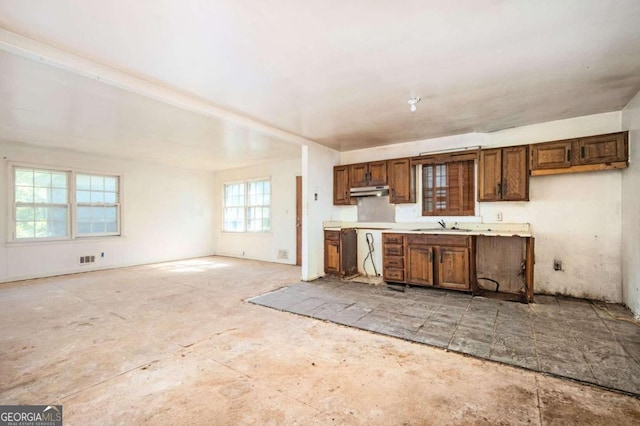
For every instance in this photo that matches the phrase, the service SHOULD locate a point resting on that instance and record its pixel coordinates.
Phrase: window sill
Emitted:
(77, 240)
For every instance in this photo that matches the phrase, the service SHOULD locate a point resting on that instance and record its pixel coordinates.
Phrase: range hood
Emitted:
(370, 191)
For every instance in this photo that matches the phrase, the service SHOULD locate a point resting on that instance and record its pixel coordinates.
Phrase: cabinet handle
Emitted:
(568, 155)
(345, 195)
(504, 188)
(582, 152)
(499, 189)
(440, 257)
(430, 257)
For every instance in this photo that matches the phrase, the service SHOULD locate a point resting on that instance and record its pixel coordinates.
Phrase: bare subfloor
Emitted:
(176, 343)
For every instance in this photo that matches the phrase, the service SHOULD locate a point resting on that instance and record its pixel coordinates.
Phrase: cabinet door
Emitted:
(358, 175)
(377, 173)
(601, 149)
(341, 188)
(551, 155)
(515, 173)
(453, 268)
(331, 256)
(402, 181)
(490, 175)
(420, 265)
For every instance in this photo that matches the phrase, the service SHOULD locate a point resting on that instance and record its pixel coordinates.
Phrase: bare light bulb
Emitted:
(412, 104)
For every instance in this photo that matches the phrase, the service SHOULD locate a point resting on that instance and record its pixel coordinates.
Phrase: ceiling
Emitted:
(334, 72)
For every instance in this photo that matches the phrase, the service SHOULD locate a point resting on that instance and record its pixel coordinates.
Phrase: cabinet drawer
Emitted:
(393, 250)
(392, 239)
(440, 240)
(394, 262)
(332, 235)
(391, 274)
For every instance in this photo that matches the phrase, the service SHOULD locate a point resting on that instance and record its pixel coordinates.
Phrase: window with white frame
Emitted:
(41, 199)
(247, 206)
(97, 205)
(46, 203)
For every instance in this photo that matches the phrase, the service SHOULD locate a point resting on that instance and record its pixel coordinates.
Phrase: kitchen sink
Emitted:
(436, 230)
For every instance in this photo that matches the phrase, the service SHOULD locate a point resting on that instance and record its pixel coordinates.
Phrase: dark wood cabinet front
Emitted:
(446, 261)
(340, 252)
(402, 181)
(368, 174)
(341, 186)
(600, 152)
(503, 174)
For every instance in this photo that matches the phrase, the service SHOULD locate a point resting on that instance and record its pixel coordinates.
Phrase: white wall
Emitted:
(631, 209)
(167, 214)
(317, 193)
(574, 217)
(262, 246)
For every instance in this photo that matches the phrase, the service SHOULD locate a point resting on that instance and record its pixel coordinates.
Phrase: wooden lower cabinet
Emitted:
(340, 252)
(445, 261)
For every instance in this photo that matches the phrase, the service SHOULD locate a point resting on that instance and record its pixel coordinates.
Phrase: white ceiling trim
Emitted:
(32, 49)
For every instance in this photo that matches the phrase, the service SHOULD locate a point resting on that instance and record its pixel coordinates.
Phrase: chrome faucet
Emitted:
(444, 225)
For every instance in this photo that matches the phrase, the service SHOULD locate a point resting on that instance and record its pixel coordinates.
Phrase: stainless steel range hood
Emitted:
(370, 191)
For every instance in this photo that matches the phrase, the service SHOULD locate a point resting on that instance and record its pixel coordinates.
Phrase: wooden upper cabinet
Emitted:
(601, 149)
(341, 187)
(601, 152)
(551, 155)
(402, 181)
(489, 174)
(368, 174)
(515, 173)
(503, 174)
(358, 175)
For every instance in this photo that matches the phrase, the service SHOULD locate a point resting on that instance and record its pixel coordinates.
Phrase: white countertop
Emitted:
(486, 229)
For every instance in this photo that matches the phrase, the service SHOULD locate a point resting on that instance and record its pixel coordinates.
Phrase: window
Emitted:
(448, 189)
(97, 205)
(41, 204)
(47, 202)
(247, 206)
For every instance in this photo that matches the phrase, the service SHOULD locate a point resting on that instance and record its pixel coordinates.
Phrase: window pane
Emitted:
(97, 213)
(111, 184)
(112, 227)
(24, 194)
(84, 227)
(83, 196)
(42, 179)
(59, 180)
(25, 213)
(97, 183)
(84, 213)
(110, 197)
(24, 177)
(41, 195)
(83, 183)
(42, 213)
(59, 196)
(97, 197)
(111, 213)
(25, 229)
(98, 227)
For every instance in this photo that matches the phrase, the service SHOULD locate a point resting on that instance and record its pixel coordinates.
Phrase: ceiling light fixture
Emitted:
(412, 103)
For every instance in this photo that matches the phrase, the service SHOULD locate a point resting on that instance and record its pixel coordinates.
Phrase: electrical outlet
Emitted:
(557, 265)
(499, 216)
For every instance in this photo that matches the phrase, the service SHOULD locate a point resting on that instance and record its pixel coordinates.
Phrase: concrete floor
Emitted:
(176, 343)
(572, 338)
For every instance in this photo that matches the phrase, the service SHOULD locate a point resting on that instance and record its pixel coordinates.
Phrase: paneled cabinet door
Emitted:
(601, 149)
(341, 187)
(515, 173)
(377, 173)
(358, 175)
(551, 155)
(490, 175)
(332, 256)
(420, 264)
(453, 268)
(402, 181)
